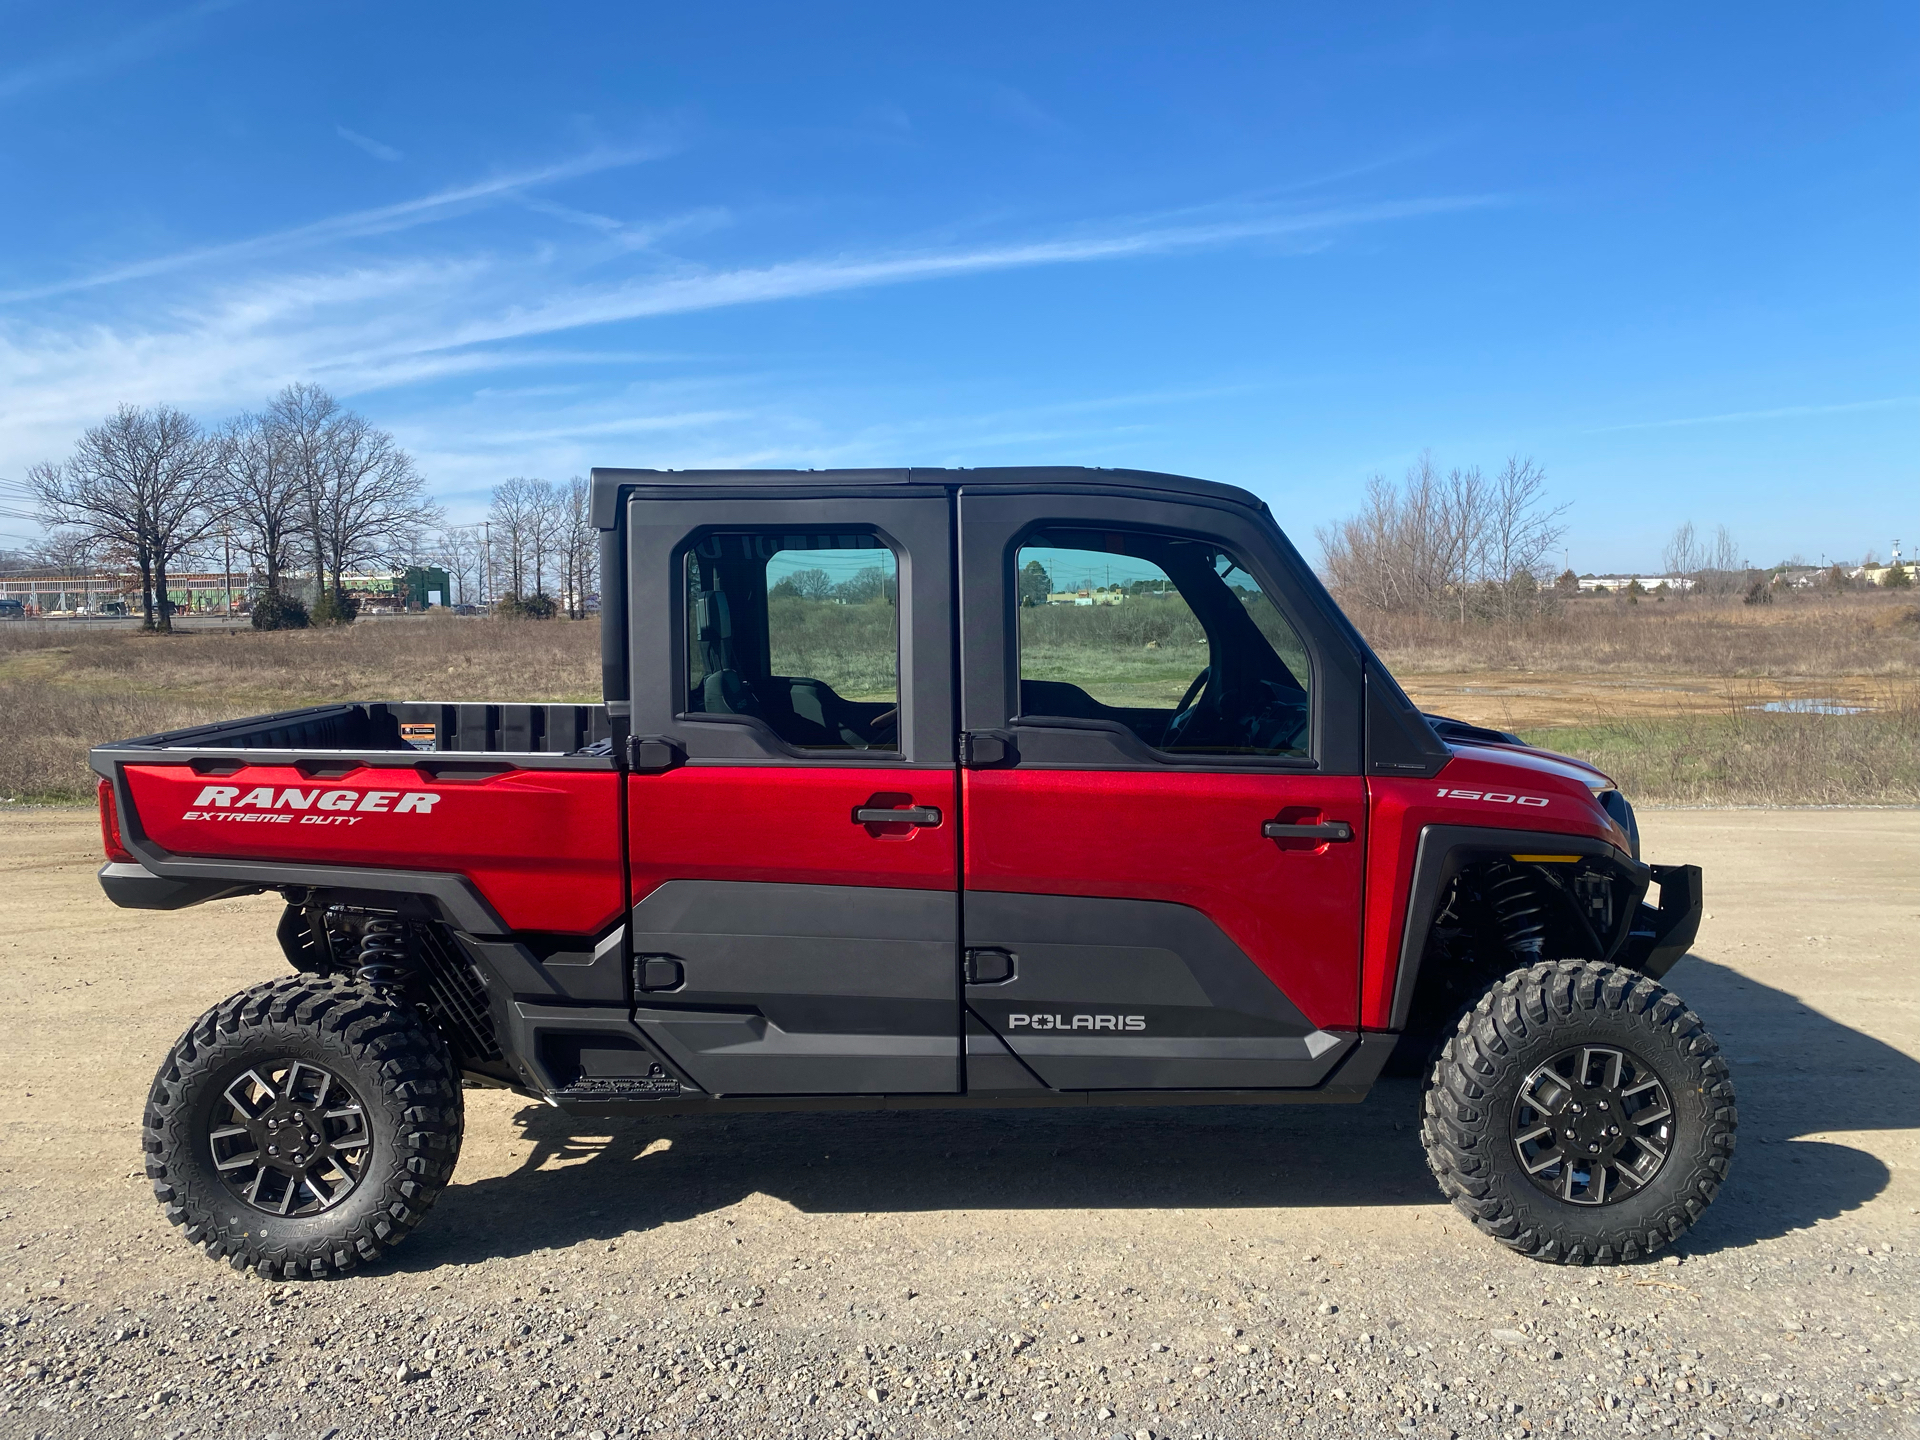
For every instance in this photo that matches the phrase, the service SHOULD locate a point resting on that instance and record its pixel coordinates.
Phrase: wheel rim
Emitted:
(289, 1138)
(1593, 1125)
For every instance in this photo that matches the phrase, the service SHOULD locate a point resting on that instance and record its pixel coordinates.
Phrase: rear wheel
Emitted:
(304, 1126)
(1580, 1113)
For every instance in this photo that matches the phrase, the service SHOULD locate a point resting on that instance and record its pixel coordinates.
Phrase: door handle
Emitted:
(1335, 830)
(905, 815)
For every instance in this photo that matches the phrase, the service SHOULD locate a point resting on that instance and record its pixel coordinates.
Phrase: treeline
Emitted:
(301, 494)
(535, 532)
(302, 482)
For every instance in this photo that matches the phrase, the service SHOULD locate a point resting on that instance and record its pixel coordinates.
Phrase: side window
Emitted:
(801, 631)
(1168, 636)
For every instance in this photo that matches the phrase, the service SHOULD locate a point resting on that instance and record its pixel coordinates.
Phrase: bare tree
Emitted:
(142, 483)
(546, 537)
(361, 498)
(458, 548)
(1708, 568)
(1405, 549)
(511, 516)
(263, 493)
(1724, 571)
(581, 543)
(1681, 557)
(372, 504)
(1520, 531)
(1451, 543)
(304, 414)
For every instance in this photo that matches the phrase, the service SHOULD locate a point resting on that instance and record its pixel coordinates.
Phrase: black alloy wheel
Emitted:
(303, 1127)
(1592, 1125)
(290, 1138)
(1580, 1113)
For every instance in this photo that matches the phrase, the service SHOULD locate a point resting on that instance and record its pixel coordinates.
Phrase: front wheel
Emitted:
(1580, 1113)
(303, 1126)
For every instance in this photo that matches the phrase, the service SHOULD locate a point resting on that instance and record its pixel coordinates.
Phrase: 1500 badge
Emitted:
(1492, 797)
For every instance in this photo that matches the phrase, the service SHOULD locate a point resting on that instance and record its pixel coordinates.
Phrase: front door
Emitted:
(1165, 818)
(794, 881)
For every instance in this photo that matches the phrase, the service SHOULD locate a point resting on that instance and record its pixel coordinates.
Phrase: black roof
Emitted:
(608, 483)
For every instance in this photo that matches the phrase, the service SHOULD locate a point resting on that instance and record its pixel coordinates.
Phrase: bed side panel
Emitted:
(542, 845)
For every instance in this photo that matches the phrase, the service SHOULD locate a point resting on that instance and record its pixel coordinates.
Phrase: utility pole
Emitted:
(486, 566)
(226, 568)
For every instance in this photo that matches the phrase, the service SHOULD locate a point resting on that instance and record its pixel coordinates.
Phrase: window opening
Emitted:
(1168, 636)
(801, 631)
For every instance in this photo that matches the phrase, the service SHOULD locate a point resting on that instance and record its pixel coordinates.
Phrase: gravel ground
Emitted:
(1283, 1271)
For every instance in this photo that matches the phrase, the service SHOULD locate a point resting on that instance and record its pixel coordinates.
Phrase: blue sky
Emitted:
(1669, 253)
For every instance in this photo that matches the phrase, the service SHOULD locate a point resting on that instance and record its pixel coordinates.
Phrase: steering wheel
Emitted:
(1183, 712)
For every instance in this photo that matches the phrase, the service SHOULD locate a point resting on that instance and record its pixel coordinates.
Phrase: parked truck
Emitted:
(918, 789)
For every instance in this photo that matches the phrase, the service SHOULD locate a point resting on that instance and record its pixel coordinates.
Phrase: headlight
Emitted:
(1615, 804)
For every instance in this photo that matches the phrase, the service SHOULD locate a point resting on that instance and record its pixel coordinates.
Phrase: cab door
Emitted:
(793, 857)
(1165, 815)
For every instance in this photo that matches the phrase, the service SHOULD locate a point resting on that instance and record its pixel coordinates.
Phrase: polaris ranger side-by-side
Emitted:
(921, 788)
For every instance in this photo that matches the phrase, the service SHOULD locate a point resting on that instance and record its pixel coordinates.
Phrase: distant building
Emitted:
(1113, 596)
(1612, 583)
(1874, 573)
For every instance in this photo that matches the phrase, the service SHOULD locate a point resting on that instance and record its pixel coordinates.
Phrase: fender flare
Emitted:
(1443, 850)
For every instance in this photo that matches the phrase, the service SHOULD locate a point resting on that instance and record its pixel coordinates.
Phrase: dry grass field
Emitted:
(1672, 698)
(1668, 696)
(64, 688)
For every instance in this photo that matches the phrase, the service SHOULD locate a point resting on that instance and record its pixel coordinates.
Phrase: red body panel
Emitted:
(788, 824)
(1193, 839)
(543, 846)
(1489, 787)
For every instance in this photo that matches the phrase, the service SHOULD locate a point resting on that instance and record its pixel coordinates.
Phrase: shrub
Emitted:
(527, 607)
(335, 607)
(273, 611)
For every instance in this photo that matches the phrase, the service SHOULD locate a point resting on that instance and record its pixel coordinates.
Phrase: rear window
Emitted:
(799, 631)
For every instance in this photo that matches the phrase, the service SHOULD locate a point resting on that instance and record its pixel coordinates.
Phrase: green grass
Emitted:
(1749, 757)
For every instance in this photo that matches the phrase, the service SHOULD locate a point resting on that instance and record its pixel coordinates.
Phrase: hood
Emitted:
(1504, 747)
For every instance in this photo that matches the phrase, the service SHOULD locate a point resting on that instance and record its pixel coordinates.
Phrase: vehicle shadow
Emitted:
(1797, 1072)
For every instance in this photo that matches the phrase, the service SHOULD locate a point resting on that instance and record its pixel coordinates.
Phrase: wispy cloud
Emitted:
(625, 234)
(215, 344)
(702, 289)
(128, 48)
(371, 146)
(1780, 412)
(381, 219)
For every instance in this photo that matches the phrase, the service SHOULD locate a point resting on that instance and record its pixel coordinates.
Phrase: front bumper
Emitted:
(1661, 935)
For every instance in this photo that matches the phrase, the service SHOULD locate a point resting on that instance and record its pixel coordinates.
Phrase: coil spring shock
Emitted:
(1520, 911)
(384, 957)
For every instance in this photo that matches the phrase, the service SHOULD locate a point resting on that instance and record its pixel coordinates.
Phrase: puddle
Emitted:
(1812, 707)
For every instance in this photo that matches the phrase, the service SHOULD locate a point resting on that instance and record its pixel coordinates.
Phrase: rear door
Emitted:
(1165, 816)
(795, 879)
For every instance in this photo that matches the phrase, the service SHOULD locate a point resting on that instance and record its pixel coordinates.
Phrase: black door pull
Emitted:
(905, 815)
(1331, 830)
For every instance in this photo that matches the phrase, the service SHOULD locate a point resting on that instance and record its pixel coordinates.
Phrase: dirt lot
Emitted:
(1274, 1272)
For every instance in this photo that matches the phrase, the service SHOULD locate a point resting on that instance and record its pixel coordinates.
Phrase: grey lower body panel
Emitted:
(1349, 1082)
(1112, 994)
(805, 989)
(1087, 1062)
